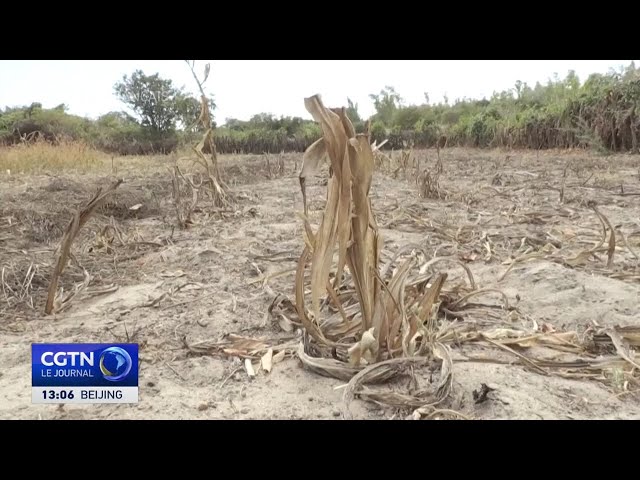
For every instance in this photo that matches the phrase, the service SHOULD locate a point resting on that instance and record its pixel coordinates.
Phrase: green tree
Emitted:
(386, 103)
(153, 99)
(188, 110)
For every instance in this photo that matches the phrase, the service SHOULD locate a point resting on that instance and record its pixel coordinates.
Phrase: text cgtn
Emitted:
(61, 359)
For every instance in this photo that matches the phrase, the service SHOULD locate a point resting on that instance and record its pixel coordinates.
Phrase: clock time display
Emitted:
(60, 395)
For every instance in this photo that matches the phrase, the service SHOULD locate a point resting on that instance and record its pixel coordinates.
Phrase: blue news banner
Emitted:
(84, 373)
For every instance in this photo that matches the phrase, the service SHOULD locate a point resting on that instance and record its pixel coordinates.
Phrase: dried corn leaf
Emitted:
(248, 366)
(347, 219)
(266, 361)
(622, 347)
(384, 369)
(278, 357)
(612, 238)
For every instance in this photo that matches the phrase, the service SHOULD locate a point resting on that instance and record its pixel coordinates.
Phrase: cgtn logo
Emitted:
(115, 363)
(85, 364)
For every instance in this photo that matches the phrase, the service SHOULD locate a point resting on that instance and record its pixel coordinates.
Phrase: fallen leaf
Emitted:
(278, 357)
(503, 333)
(249, 368)
(266, 360)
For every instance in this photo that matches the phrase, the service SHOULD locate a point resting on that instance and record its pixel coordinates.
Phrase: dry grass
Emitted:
(43, 156)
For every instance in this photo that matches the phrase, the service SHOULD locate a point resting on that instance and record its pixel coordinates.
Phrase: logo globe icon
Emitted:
(115, 363)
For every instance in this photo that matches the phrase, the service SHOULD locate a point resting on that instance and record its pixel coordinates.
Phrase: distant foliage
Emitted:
(601, 113)
(158, 104)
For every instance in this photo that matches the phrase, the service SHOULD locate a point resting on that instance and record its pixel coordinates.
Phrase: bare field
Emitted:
(527, 225)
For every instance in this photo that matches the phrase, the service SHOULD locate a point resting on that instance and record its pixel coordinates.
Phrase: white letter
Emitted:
(86, 358)
(73, 356)
(44, 362)
(58, 362)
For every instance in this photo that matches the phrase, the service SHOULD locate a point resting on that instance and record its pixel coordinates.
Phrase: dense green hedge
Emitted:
(602, 113)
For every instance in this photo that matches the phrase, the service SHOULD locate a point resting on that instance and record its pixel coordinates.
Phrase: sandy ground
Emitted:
(204, 283)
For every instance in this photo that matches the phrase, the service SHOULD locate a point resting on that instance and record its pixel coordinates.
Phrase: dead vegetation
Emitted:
(274, 169)
(392, 319)
(185, 197)
(369, 322)
(54, 300)
(38, 155)
(217, 188)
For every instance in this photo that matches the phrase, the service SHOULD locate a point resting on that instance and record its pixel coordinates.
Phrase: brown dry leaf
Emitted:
(630, 334)
(386, 307)
(622, 347)
(347, 220)
(612, 237)
(311, 161)
(503, 333)
(337, 204)
(580, 259)
(313, 157)
(267, 360)
(568, 340)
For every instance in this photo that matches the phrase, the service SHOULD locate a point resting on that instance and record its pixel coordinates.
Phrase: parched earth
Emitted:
(168, 288)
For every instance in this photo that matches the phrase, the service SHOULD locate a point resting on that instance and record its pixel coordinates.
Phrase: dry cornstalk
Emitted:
(385, 318)
(218, 187)
(612, 236)
(76, 223)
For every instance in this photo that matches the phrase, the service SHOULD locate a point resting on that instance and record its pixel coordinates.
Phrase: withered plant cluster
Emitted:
(275, 168)
(54, 298)
(186, 191)
(365, 321)
(380, 314)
